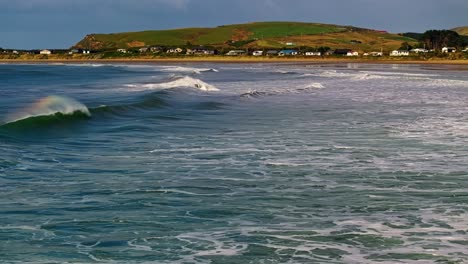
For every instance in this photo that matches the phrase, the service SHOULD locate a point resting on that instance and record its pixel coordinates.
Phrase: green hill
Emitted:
(461, 30)
(258, 34)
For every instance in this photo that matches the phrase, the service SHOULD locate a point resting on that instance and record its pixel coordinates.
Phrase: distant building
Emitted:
(200, 51)
(376, 53)
(122, 50)
(45, 52)
(143, 50)
(399, 53)
(235, 52)
(15, 52)
(419, 51)
(257, 53)
(352, 54)
(174, 51)
(156, 49)
(288, 53)
(448, 49)
(313, 53)
(290, 44)
(465, 50)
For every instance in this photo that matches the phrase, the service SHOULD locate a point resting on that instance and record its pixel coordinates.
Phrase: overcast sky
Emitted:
(28, 24)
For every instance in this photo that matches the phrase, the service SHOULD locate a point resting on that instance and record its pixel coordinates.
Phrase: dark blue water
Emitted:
(242, 163)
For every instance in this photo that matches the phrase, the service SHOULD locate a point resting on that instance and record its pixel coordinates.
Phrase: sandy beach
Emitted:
(56, 59)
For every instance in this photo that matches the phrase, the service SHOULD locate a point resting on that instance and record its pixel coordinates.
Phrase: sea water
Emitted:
(233, 163)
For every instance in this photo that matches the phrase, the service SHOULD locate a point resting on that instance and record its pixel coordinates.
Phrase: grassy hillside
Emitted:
(259, 34)
(461, 30)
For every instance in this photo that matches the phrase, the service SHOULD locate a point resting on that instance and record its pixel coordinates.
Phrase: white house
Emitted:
(313, 53)
(45, 52)
(15, 52)
(122, 50)
(448, 49)
(176, 50)
(419, 51)
(465, 50)
(235, 52)
(143, 50)
(376, 53)
(398, 53)
(257, 53)
(352, 54)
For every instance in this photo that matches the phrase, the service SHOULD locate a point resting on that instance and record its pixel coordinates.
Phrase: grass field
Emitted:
(258, 34)
(461, 30)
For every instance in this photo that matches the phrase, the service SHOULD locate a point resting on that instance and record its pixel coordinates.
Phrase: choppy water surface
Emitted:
(244, 163)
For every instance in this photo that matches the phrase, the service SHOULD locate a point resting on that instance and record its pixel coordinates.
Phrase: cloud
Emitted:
(28, 5)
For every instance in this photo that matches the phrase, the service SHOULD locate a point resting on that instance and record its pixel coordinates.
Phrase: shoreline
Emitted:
(234, 60)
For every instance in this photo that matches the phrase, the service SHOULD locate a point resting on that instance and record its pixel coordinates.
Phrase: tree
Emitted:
(405, 46)
(437, 39)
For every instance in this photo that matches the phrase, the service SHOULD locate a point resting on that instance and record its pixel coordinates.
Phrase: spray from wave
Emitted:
(50, 106)
(176, 82)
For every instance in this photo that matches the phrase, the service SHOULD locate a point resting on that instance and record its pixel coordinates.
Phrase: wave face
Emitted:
(177, 82)
(50, 106)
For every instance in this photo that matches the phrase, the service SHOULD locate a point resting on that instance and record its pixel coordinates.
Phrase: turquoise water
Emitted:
(240, 163)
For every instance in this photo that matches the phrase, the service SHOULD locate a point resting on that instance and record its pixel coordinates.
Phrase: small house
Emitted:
(399, 53)
(313, 53)
(288, 53)
(155, 49)
(143, 50)
(257, 53)
(122, 50)
(45, 52)
(235, 53)
(417, 51)
(290, 44)
(352, 54)
(376, 54)
(174, 51)
(448, 49)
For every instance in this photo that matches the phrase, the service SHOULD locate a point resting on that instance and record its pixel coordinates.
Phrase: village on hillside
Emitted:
(285, 40)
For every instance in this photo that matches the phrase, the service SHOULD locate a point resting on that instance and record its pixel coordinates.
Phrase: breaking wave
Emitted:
(55, 107)
(188, 69)
(176, 82)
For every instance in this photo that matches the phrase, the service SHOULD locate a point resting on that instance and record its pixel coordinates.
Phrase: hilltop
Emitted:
(461, 30)
(252, 35)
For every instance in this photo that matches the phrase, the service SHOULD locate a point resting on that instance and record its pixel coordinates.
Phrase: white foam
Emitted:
(188, 69)
(185, 81)
(315, 85)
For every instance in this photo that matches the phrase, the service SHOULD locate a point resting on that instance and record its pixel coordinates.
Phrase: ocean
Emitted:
(233, 163)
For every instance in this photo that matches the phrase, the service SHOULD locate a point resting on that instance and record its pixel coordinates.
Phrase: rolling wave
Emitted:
(49, 108)
(175, 82)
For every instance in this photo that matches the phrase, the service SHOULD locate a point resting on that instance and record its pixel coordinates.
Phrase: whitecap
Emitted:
(185, 81)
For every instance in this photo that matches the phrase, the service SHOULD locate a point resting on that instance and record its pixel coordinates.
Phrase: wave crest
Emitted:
(50, 106)
(176, 82)
(188, 69)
